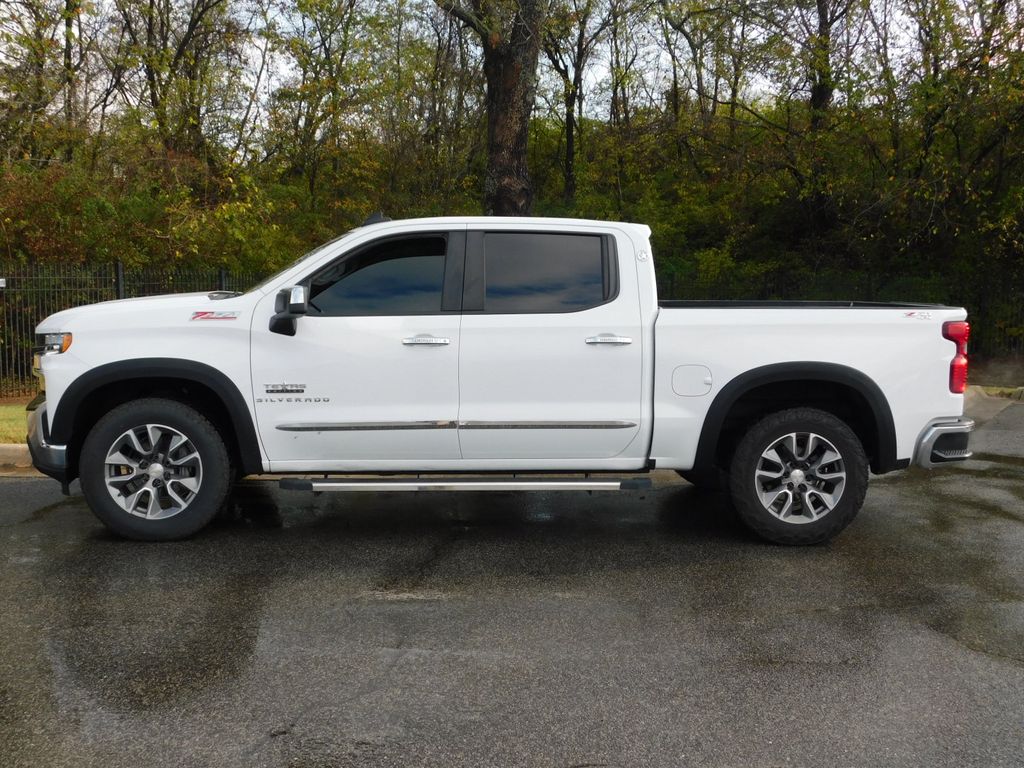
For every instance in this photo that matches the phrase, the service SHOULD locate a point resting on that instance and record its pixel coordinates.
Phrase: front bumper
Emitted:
(944, 442)
(47, 458)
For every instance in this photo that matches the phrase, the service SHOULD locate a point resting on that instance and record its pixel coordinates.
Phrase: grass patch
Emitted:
(12, 423)
(1011, 392)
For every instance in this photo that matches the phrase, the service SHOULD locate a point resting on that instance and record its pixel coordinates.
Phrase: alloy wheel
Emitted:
(153, 471)
(800, 477)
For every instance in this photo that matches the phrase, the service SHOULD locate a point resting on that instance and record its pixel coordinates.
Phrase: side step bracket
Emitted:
(474, 484)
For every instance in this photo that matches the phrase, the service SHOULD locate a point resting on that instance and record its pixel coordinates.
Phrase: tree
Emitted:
(572, 34)
(322, 40)
(29, 79)
(510, 34)
(175, 44)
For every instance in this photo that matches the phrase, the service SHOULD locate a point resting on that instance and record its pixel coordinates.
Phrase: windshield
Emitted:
(260, 285)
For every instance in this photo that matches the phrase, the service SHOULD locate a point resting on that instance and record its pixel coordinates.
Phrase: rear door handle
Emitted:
(609, 338)
(425, 339)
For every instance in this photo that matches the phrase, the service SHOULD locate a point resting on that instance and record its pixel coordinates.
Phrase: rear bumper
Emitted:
(47, 458)
(944, 442)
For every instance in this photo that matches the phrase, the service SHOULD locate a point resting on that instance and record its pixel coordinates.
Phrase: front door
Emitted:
(551, 358)
(371, 373)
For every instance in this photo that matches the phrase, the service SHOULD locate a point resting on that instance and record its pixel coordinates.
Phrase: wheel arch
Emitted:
(196, 384)
(846, 392)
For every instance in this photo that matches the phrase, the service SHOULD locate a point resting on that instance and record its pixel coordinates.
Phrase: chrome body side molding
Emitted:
(546, 424)
(365, 426)
(357, 426)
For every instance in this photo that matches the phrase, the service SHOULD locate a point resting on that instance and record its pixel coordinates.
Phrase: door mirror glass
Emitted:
(289, 305)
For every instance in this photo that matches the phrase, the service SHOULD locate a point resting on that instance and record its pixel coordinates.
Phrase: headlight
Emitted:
(55, 343)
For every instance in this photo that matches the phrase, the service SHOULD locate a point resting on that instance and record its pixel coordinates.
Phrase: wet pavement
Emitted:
(521, 630)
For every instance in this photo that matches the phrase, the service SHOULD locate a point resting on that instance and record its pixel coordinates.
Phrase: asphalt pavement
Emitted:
(522, 630)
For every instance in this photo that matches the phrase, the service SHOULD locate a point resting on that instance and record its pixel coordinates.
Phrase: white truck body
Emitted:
(623, 386)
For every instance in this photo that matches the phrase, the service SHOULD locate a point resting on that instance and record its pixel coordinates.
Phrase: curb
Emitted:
(14, 455)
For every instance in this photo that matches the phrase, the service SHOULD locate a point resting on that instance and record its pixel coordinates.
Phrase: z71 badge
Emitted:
(214, 316)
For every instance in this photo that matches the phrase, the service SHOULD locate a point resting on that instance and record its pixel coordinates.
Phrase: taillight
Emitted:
(958, 331)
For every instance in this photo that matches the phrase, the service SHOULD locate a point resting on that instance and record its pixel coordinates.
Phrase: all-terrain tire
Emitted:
(181, 432)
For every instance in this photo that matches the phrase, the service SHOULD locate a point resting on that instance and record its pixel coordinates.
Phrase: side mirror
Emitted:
(289, 305)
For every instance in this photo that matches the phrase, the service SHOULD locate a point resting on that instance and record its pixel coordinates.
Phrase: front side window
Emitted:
(402, 276)
(530, 272)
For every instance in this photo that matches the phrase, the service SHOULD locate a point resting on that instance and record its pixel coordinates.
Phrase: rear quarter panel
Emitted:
(900, 349)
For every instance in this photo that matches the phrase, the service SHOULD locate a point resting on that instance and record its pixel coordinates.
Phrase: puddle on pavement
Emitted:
(961, 574)
(137, 631)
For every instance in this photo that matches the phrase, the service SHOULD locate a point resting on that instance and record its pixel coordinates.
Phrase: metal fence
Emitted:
(31, 292)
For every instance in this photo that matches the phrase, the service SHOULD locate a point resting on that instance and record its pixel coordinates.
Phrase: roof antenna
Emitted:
(376, 218)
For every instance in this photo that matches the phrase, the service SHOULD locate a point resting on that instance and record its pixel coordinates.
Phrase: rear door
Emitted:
(551, 352)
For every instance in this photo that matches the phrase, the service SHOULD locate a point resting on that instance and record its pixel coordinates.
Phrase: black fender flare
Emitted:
(62, 426)
(884, 459)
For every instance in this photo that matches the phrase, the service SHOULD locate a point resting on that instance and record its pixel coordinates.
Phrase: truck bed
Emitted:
(698, 352)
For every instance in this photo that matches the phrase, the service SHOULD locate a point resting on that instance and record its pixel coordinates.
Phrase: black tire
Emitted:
(747, 459)
(712, 480)
(201, 507)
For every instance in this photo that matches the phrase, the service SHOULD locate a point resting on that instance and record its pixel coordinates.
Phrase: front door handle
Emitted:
(425, 339)
(609, 338)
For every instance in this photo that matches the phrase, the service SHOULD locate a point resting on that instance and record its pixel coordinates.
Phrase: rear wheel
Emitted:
(154, 470)
(798, 476)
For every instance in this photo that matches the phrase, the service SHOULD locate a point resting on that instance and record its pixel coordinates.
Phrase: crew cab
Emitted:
(479, 353)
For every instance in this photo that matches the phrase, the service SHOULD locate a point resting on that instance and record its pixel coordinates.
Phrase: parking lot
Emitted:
(518, 629)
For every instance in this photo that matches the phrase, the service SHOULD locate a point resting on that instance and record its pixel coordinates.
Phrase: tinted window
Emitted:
(397, 277)
(532, 272)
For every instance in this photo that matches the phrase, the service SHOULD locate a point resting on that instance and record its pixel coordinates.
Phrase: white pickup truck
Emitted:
(491, 354)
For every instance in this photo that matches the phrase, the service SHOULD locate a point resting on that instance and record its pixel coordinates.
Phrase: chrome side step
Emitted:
(475, 484)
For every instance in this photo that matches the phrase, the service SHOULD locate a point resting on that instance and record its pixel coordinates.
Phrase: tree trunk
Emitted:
(569, 169)
(70, 96)
(822, 86)
(510, 71)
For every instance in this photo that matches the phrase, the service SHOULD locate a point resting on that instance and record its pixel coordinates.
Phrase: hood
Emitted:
(120, 310)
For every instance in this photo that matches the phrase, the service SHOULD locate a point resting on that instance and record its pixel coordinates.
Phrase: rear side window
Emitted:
(403, 276)
(531, 272)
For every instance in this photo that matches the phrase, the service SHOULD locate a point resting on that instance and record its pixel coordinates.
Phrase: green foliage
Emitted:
(280, 126)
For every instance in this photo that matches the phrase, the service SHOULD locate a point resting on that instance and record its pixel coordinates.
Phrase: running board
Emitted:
(497, 484)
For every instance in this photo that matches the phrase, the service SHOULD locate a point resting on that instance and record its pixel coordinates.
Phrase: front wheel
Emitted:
(154, 470)
(798, 476)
